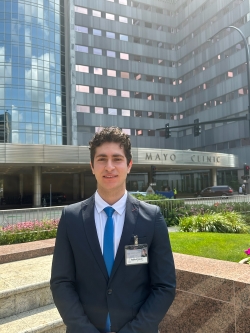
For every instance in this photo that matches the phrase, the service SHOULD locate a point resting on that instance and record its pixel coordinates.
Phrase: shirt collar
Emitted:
(119, 206)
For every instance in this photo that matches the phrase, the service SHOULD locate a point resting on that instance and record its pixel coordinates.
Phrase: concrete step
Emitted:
(24, 285)
(42, 320)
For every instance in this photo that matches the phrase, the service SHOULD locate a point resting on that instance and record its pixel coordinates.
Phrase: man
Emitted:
(123, 292)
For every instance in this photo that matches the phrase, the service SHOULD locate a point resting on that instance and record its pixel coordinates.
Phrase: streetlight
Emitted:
(247, 58)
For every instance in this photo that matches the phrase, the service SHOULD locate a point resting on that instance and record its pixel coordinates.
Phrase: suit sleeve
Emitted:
(163, 282)
(62, 284)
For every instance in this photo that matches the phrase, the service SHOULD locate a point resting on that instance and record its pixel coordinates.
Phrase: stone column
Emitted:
(37, 172)
(76, 187)
(214, 176)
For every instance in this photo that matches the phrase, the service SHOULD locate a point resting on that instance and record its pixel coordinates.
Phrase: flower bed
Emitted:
(28, 231)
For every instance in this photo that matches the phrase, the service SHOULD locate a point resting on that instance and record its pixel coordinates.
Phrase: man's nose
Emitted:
(109, 165)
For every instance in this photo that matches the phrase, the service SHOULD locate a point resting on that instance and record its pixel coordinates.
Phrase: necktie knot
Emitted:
(109, 211)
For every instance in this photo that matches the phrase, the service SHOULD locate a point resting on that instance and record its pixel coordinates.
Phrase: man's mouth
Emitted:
(110, 176)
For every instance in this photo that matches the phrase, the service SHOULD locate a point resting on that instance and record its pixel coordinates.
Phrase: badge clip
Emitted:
(135, 240)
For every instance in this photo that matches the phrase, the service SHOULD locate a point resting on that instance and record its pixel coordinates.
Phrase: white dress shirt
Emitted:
(118, 218)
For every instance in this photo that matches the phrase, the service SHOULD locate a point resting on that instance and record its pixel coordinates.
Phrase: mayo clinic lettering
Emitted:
(194, 158)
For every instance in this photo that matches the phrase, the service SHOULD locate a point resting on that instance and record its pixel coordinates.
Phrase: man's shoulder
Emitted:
(79, 205)
(142, 204)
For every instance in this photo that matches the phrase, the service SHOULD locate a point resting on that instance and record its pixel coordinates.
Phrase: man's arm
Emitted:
(62, 284)
(163, 282)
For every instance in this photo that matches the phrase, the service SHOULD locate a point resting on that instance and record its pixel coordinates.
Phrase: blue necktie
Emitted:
(108, 248)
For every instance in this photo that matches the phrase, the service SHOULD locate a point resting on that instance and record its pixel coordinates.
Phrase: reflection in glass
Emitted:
(30, 69)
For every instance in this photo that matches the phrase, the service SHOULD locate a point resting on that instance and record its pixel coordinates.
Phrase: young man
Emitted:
(100, 281)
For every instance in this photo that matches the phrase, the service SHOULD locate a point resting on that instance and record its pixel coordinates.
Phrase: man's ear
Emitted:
(130, 166)
(92, 168)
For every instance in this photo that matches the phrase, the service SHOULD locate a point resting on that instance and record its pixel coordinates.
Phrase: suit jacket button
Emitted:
(109, 291)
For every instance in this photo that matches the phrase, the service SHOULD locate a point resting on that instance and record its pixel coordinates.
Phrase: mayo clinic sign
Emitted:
(183, 157)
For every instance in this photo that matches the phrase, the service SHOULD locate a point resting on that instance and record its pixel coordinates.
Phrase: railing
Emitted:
(14, 216)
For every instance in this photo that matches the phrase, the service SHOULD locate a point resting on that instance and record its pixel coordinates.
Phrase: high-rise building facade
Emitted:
(69, 68)
(142, 64)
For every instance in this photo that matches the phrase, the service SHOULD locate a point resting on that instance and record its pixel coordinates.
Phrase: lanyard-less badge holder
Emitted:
(136, 254)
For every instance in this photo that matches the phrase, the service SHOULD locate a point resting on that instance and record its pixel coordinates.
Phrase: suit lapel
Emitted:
(132, 209)
(90, 229)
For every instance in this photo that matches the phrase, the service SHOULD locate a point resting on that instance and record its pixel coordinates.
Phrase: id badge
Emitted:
(136, 254)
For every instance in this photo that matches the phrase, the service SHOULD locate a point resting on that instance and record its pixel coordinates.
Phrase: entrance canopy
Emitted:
(15, 158)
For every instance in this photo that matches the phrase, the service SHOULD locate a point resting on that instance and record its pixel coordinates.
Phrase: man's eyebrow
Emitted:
(105, 155)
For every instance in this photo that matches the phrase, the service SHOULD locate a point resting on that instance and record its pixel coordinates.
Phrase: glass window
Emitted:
(110, 54)
(110, 16)
(124, 38)
(83, 69)
(124, 56)
(138, 113)
(81, 48)
(111, 73)
(112, 111)
(96, 13)
(97, 51)
(138, 132)
(97, 71)
(98, 91)
(124, 75)
(98, 129)
(110, 34)
(125, 93)
(137, 76)
(123, 2)
(84, 30)
(151, 133)
(81, 88)
(81, 10)
(126, 131)
(83, 108)
(112, 92)
(125, 113)
(123, 19)
(97, 32)
(98, 110)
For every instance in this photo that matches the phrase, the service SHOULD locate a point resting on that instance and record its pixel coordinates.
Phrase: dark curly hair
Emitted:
(110, 134)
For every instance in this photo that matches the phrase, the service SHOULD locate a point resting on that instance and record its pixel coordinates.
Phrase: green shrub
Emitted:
(225, 222)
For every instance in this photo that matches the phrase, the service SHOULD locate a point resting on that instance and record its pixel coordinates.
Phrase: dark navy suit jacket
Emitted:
(137, 297)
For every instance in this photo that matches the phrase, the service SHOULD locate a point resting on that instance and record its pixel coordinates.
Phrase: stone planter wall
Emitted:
(212, 296)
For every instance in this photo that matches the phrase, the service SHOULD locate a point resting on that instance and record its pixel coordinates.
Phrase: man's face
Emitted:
(110, 169)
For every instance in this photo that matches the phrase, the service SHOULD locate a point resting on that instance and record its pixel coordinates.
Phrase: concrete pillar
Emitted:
(214, 177)
(76, 187)
(37, 174)
(82, 185)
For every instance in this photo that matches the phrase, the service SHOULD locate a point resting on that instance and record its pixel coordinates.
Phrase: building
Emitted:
(70, 67)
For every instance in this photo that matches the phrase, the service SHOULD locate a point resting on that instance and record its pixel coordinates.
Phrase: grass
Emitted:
(228, 247)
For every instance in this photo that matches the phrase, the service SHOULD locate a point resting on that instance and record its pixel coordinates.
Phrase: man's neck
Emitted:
(110, 197)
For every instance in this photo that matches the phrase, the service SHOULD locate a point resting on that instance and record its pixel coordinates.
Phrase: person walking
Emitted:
(175, 193)
(100, 281)
(240, 190)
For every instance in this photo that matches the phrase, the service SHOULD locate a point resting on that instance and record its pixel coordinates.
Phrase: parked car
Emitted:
(216, 191)
(56, 197)
(137, 192)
